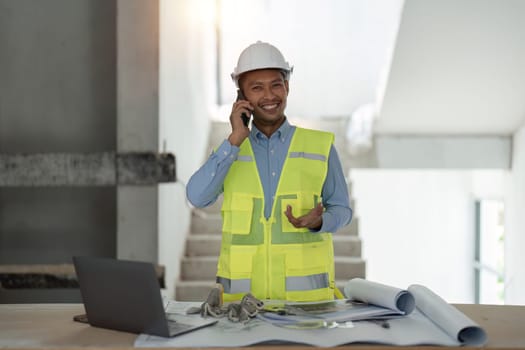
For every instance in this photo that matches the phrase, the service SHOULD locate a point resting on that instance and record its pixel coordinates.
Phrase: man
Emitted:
(284, 191)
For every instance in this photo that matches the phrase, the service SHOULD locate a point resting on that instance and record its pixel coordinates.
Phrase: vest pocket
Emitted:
(308, 259)
(236, 262)
(309, 271)
(241, 261)
(237, 216)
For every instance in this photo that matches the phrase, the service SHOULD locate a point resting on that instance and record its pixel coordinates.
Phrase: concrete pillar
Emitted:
(137, 123)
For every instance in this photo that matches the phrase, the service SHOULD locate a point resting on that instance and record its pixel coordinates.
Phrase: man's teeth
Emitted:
(270, 106)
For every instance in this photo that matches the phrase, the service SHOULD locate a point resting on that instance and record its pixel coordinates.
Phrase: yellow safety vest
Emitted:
(270, 257)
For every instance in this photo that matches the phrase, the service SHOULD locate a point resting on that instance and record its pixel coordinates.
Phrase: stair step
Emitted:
(205, 267)
(212, 224)
(349, 267)
(203, 245)
(206, 223)
(193, 290)
(352, 229)
(347, 245)
(199, 268)
(210, 244)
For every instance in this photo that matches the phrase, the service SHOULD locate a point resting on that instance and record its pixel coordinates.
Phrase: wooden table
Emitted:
(50, 326)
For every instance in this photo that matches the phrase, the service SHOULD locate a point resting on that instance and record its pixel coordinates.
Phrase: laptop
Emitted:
(125, 295)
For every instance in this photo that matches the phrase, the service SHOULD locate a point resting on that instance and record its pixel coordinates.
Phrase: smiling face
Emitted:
(267, 91)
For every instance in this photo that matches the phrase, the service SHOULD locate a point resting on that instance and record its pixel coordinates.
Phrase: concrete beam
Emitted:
(29, 276)
(145, 168)
(91, 169)
(436, 152)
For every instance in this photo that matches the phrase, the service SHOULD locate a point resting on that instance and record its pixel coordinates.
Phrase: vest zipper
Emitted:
(267, 233)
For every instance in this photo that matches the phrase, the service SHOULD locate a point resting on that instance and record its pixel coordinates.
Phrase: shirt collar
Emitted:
(281, 133)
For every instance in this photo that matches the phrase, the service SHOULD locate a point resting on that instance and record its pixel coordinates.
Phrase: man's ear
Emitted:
(287, 87)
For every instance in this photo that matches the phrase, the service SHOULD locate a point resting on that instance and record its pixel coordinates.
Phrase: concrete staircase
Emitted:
(199, 265)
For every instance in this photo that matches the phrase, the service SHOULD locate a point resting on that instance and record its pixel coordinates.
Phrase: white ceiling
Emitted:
(337, 47)
(458, 67)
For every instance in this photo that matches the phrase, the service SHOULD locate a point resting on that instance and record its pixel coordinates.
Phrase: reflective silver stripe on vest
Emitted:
(313, 156)
(234, 286)
(244, 158)
(307, 282)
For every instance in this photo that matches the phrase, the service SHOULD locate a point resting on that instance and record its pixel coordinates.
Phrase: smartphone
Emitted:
(245, 118)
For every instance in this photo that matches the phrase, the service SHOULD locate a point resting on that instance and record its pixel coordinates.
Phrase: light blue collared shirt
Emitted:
(270, 153)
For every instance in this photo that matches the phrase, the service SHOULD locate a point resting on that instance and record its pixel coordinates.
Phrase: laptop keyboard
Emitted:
(177, 320)
(173, 307)
(176, 327)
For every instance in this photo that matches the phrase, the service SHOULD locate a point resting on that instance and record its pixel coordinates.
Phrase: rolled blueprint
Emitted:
(446, 316)
(380, 294)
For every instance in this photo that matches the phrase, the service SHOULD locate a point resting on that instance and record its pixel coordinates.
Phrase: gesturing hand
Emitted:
(313, 220)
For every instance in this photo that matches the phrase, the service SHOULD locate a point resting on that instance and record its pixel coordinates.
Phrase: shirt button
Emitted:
(212, 174)
(273, 173)
(225, 153)
(271, 151)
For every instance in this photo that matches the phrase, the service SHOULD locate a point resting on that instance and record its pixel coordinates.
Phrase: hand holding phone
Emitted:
(243, 110)
(245, 118)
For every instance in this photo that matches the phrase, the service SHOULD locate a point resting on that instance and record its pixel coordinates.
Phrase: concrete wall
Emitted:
(515, 224)
(57, 94)
(417, 226)
(186, 100)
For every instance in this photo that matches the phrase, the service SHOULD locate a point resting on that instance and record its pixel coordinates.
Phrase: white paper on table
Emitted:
(380, 294)
(446, 316)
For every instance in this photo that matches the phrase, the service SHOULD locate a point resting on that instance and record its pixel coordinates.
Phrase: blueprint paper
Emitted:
(432, 322)
(380, 294)
(331, 312)
(446, 316)
(414, 329)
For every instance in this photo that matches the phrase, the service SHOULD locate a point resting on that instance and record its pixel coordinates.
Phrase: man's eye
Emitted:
(256, 88)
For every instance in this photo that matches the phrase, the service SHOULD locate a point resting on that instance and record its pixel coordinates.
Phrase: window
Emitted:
(489, 252)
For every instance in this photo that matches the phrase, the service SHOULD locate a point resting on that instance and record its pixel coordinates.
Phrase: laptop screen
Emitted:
(121, 295)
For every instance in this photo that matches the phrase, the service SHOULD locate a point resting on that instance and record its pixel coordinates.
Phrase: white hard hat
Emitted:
(260, 56)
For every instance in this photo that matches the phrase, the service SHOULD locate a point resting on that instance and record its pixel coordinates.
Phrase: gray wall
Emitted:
(187, 97)
(57, 94)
